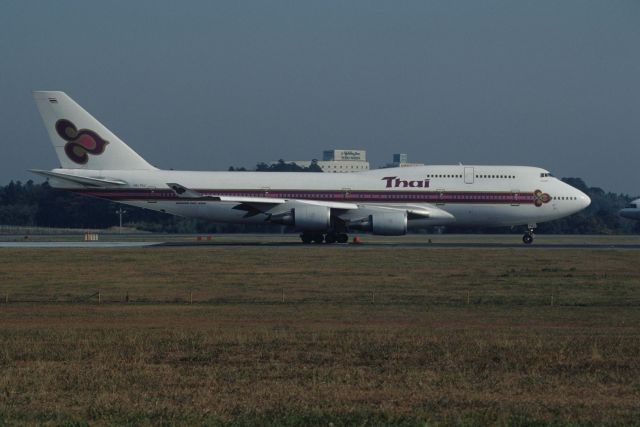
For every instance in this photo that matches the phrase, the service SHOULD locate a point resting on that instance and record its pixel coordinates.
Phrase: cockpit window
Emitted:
(545, 175)
(631, 206)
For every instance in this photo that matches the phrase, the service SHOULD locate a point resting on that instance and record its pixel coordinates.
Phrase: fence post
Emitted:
(99, 298)
(190, 297)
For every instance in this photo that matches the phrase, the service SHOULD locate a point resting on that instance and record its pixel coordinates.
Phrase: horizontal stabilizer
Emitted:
(82, 180)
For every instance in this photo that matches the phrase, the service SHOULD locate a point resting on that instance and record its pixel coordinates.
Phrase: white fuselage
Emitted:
(631, 211)
(472, 195)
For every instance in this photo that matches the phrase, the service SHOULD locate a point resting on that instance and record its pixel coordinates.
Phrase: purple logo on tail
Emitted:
(80, 142)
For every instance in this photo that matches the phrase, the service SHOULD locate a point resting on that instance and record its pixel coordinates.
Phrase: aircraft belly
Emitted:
(496, 215)
(465, 214)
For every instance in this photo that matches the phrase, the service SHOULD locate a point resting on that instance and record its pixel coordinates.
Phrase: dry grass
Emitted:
(364, 336)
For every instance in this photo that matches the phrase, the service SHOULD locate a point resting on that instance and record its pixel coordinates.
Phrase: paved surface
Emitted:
(75, 244)
(417, 245)
(295, 244)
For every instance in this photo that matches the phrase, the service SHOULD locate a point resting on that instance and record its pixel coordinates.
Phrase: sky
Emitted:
(204, 85)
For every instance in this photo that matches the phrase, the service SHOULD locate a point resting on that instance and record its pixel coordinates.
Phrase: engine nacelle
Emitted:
(305, 218)
(389, 223)
(312, 218)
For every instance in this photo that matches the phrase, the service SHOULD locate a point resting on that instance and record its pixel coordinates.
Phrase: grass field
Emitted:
(321, 336)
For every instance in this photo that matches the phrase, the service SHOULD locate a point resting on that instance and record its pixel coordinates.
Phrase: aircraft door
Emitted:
(440, 201)
(346, 193)
(515, 201)
(468, 175)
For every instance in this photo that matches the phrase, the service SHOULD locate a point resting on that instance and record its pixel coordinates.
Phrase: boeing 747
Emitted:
(323, 207)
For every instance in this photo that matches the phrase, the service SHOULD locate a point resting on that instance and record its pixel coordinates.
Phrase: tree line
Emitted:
(281, 166)
(39, 205)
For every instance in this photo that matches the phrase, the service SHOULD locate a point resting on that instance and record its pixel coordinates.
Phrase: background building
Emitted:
(338, 161)
(402, 160)
(344, 155)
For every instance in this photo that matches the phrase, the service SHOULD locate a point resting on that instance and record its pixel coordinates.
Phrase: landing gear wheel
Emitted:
(342, 238)
(527, 238)
(306, 238)
(330, 238)
(318, 238)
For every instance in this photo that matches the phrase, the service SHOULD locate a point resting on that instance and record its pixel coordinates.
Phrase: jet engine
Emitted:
(305, 218)
(389, 223)
(383, 223)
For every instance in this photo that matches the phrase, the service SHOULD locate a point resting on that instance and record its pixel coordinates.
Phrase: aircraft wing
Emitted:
(259, 205)
(347, 212)
(265, 202)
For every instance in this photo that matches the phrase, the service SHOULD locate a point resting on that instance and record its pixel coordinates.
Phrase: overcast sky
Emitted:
(206, 85)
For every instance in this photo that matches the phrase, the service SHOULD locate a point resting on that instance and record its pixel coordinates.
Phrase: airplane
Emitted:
(631, 211)
(323, 207)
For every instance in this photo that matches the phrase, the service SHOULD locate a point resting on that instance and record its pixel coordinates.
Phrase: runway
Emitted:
(409, 245)
(298, 245)
(89, 245)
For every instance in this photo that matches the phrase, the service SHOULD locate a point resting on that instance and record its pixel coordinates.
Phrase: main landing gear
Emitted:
(527, 238)
(308, 237)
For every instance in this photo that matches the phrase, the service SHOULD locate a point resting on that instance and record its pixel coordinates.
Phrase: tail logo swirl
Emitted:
(80, 142)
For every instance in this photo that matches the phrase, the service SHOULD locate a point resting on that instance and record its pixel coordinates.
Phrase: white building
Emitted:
(344, 155)
(338, 161)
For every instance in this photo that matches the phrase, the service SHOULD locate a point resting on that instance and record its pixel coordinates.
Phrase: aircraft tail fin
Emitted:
(81, 141)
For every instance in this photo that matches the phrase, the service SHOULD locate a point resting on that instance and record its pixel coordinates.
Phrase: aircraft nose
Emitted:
(584, 199)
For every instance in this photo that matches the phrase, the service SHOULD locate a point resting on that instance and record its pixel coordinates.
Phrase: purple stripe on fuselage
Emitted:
(327, 195)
